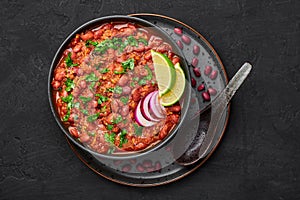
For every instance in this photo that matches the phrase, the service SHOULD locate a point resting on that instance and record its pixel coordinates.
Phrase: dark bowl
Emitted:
(159, 32)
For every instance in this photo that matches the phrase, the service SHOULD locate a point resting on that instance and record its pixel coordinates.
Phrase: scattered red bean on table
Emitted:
(186, 39)
(196, 49)
(178, 31)
(194, 62)
(213, 75)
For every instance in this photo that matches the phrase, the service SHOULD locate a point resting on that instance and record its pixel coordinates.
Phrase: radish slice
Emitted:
(157, 109)
(145, 108)
(140, 119)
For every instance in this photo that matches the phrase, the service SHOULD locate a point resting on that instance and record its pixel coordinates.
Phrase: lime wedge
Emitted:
(164, 72)
(177, 90)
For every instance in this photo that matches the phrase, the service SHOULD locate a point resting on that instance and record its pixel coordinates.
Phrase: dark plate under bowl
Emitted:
(157, 31)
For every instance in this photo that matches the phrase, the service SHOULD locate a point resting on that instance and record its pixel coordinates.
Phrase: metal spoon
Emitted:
(201, 144)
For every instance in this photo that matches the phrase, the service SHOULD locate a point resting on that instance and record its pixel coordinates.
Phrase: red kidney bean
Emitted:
(178, 31)
(126, 90)
(207, 70)
(196, 49)
(135, 94)
(175, 60)
(87, 36)
(195, 62)
(140, 168)
(180, 45)
(83, 84)
(77, 48)
(94, 103)
(98, 34)
(59, 76)
(117, 162)
(84, 137)
(193, 82)
(201, 87)
(124, 110)
(197, 71)
(132, 161)
(186, 39)
(175, 108)
(126, 168)
(157, 166)
(213, 75)
(148, 55)
(212, 91)
(56, 85)
(205, 96)
(147, 163)
(73, 131)
(150, 169)
(123, 80)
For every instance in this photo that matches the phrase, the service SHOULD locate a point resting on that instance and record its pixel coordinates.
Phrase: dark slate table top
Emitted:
(259, 155)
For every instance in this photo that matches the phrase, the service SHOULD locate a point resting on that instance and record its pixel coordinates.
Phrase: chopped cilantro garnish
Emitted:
(76, 105)
(132, 84)
(91, 77)
(132, 41)
(69, 85)
(109, 127)
(85, 112)
(104, 71)
(123, 139)
(91, 86)
(143, 40)
(111, 150)
(110, 137)
(67, 116)
(124, 100)
(68, 98)
(138, 129)
(118, 90)
(101, 98)
(85, 99)
(93, 118)
(69, 61)
(128, 64)
(117, 120)
(90, 42)
(142, 82)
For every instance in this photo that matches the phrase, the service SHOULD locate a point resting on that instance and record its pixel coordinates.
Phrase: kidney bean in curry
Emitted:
(102, 75)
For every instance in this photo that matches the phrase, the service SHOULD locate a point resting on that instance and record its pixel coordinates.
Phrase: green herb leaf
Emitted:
(111, 150)
(142, 82)
(109, 127)
(123, 138)
(85, 112)
(69, 61)
(68, 98)
(76, 105)
(117, 120)
(124, 100)
(104, 71)
(110, 137)
(132, 41)
(101, 98)
(128, 64)
(69, 84)
(67, 116)
(93, 118)
(132, 84)
(85, 99)
(91, 77)
(144, 41)
(91, 86)
(118, 90)
(90, 42)
(103, 109)
(138, 130)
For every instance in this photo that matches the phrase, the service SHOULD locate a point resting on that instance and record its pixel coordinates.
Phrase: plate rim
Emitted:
(217, 143)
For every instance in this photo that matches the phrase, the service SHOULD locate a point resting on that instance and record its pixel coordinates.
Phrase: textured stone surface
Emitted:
(259, 155)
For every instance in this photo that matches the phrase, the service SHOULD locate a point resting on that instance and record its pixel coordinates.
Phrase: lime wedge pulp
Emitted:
(164, 72)
(175, 93)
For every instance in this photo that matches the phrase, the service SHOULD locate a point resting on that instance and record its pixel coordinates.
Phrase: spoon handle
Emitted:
(218, 106)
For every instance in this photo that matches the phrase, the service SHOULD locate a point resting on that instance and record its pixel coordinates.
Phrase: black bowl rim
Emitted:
(66, 42)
